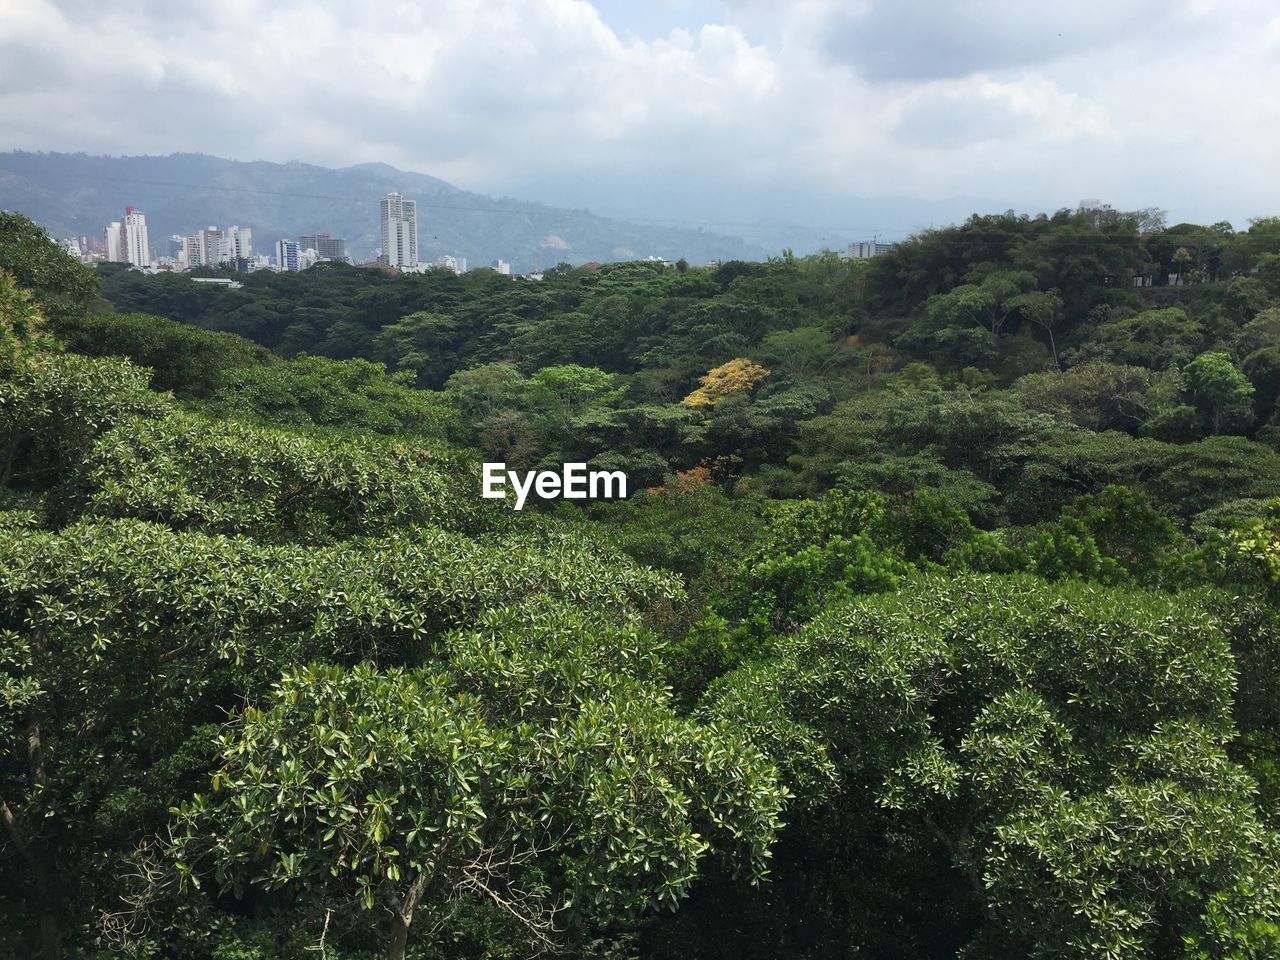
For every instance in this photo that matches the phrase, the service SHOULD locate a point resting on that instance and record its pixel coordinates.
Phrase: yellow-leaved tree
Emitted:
(735, 376)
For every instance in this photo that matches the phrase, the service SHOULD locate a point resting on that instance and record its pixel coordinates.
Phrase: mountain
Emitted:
(75, 193)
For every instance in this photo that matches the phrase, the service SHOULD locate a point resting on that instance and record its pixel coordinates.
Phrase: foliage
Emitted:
(348, 394)
(531, 769)
(1062, 748)
(183, 359)
(59, 284)
(958, 621)
(53, 408)
(729, 378)
(235, 478)
(1220, 392)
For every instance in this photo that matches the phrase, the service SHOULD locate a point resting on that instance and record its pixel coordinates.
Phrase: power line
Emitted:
(968, 240)
(478, 209)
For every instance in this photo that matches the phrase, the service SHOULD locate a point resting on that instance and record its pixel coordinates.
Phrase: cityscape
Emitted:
(231, 248)
(128, 241)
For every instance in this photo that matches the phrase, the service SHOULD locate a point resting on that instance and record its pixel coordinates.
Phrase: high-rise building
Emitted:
(210, 246)
(399, 232)
(286, 255)
(190, 254)
(237, 243)
(325, 246)
(502, 267)
(112, 242)
(137, 247)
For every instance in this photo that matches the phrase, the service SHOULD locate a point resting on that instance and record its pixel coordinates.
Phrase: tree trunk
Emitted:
(402, 917)
(45, 872)
(50, 923)
(955, 846)
(399, 936)
(42, 861)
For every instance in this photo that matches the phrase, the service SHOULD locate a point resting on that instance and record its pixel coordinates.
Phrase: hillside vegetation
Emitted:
(942, 623)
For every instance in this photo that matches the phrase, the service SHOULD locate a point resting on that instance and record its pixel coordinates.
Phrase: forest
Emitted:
(942, 621)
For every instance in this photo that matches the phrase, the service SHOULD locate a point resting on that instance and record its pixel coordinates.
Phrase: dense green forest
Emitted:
(942, 623)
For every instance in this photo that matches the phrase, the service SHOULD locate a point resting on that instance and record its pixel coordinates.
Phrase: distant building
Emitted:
(237, 243)
(502, 267)
(210, 247)
(1094, 205)
(399, 231)
(865, 249)
(113, 242)
(325, 246)
(219, 282)
(189, 255)
(137, 246)
(287, 255)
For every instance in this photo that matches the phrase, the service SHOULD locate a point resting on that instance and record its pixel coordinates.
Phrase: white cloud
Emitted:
(1172, 103)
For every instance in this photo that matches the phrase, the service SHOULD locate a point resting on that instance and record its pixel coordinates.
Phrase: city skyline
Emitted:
(127, 241)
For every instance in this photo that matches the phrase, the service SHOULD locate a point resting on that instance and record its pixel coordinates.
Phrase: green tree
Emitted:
(509, 774)
(1154, 338)
(184, 359)
(1222, 394)
(60, 285)
(1095, 395)
(991, 302)
(1063, 749)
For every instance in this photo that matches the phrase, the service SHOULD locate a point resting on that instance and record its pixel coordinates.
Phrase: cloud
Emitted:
(909, 40)
(760, 109)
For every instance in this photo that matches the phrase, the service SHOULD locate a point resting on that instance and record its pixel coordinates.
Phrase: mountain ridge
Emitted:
(79, 193)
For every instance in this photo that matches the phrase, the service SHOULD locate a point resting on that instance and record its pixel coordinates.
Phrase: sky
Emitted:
(832, 120)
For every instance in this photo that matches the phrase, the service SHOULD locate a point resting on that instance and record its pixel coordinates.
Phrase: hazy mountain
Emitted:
(71, 194)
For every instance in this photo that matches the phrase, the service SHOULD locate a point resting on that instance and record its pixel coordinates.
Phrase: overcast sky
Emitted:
(848, 118)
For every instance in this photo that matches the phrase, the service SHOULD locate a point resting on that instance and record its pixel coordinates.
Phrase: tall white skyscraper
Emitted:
(137, 245)
(111, 242)
(237, 243)
(399, 231)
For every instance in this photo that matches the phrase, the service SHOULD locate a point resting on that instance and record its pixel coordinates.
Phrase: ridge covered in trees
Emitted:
(944, 622)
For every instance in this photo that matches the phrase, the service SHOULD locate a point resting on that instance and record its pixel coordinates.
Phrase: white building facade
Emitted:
(112, 239)
(237, 244)
(399, 231)
(137, 245)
